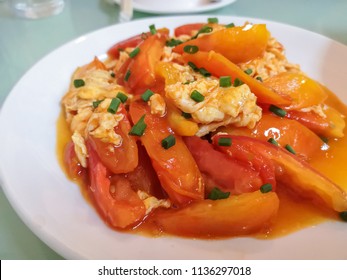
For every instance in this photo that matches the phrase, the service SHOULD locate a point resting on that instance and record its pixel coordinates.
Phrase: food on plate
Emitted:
(210, 132)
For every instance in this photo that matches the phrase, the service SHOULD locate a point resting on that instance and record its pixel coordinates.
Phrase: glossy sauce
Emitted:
(294, 213)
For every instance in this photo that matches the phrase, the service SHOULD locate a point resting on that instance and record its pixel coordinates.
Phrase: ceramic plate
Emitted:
(53, 207)
(177, 6)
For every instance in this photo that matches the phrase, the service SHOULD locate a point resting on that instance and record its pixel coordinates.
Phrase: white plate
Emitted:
(53, 207)
(177, 6)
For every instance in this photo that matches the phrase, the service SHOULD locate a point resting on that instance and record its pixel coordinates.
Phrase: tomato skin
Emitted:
(74, 168)
(221, 170)
(118, 159)
(285, 131)
(290, 170)
(138, 74)
(131, 42)
(218, 65)
(114, 199)
(175, 167)
(187, 29)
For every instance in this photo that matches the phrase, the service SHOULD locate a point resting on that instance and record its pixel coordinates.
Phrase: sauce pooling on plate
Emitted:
(210, 133)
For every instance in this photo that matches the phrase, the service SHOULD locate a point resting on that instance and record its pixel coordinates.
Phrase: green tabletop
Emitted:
(23, 42)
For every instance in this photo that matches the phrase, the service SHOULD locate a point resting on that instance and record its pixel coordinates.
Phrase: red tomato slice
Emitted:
(175, 167)
(188, 29)
(115, 199)
(131, 42)
(74, 168)
(118, 159)
(138, 73)
(222, 171)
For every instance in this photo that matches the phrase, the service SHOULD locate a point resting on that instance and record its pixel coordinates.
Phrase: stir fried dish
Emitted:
(208, 132)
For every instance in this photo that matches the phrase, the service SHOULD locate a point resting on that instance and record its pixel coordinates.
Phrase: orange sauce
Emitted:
(294, 213)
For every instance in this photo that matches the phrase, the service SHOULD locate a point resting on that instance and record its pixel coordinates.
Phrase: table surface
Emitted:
(23, 42)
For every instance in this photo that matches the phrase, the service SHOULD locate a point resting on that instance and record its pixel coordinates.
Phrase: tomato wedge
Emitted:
(218, 65)
(292, 172)
(138, 73)
(223, 171)
(131, 42)
(115, 200)
(118, 159)
(238, 44)
(175, 167)
(188, 29)
(74, 169)
(237, 215)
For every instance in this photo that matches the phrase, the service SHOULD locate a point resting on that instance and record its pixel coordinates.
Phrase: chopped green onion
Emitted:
(248, 71)
(343, 215)
(193, 66)
(134, 52)
(238, 82)
(173, 43)
(115, 102)
(225, 81)
(144, 36)
(122, 97)
(191, 49)
(168, 142)
(266, 188)
(259, 79)
(152, 29)
(113, 74)
(273, 141)
(224, 141)
(230, 25)
(186, 115)
(187, 82)
(204, 29)
(204, 72)
(96, 103)
(197, 96)
(216, 194)
(212, 20)
(139, 128)
(127, 75)
(324, 139)
(78, 83)
(290, 149)
(147, 95)
(277, 111)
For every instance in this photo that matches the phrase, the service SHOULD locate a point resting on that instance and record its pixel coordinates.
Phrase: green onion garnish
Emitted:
(212, 20)
(147, 95)
(173, 43)
(324, 139)
(134, 52)
(204, 29)
(96, 103)
(115, 102)
(127, 75)
(237, 82)
(122, 97)
(193, 66)
(277, 111)
(343, 215)
(259, 79)
(168, 142)
(266, 188)
(78, 83)
(224, 141)
(225, 81)
(197, 96)
(248, 71)
(216, 194)
(144, 36)
(191, 49)
(186, 115)
(273, 141)
(204, 72)
(290, 149)
(139, 128)
(113, 74)
(152, 29)
(230, 25)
